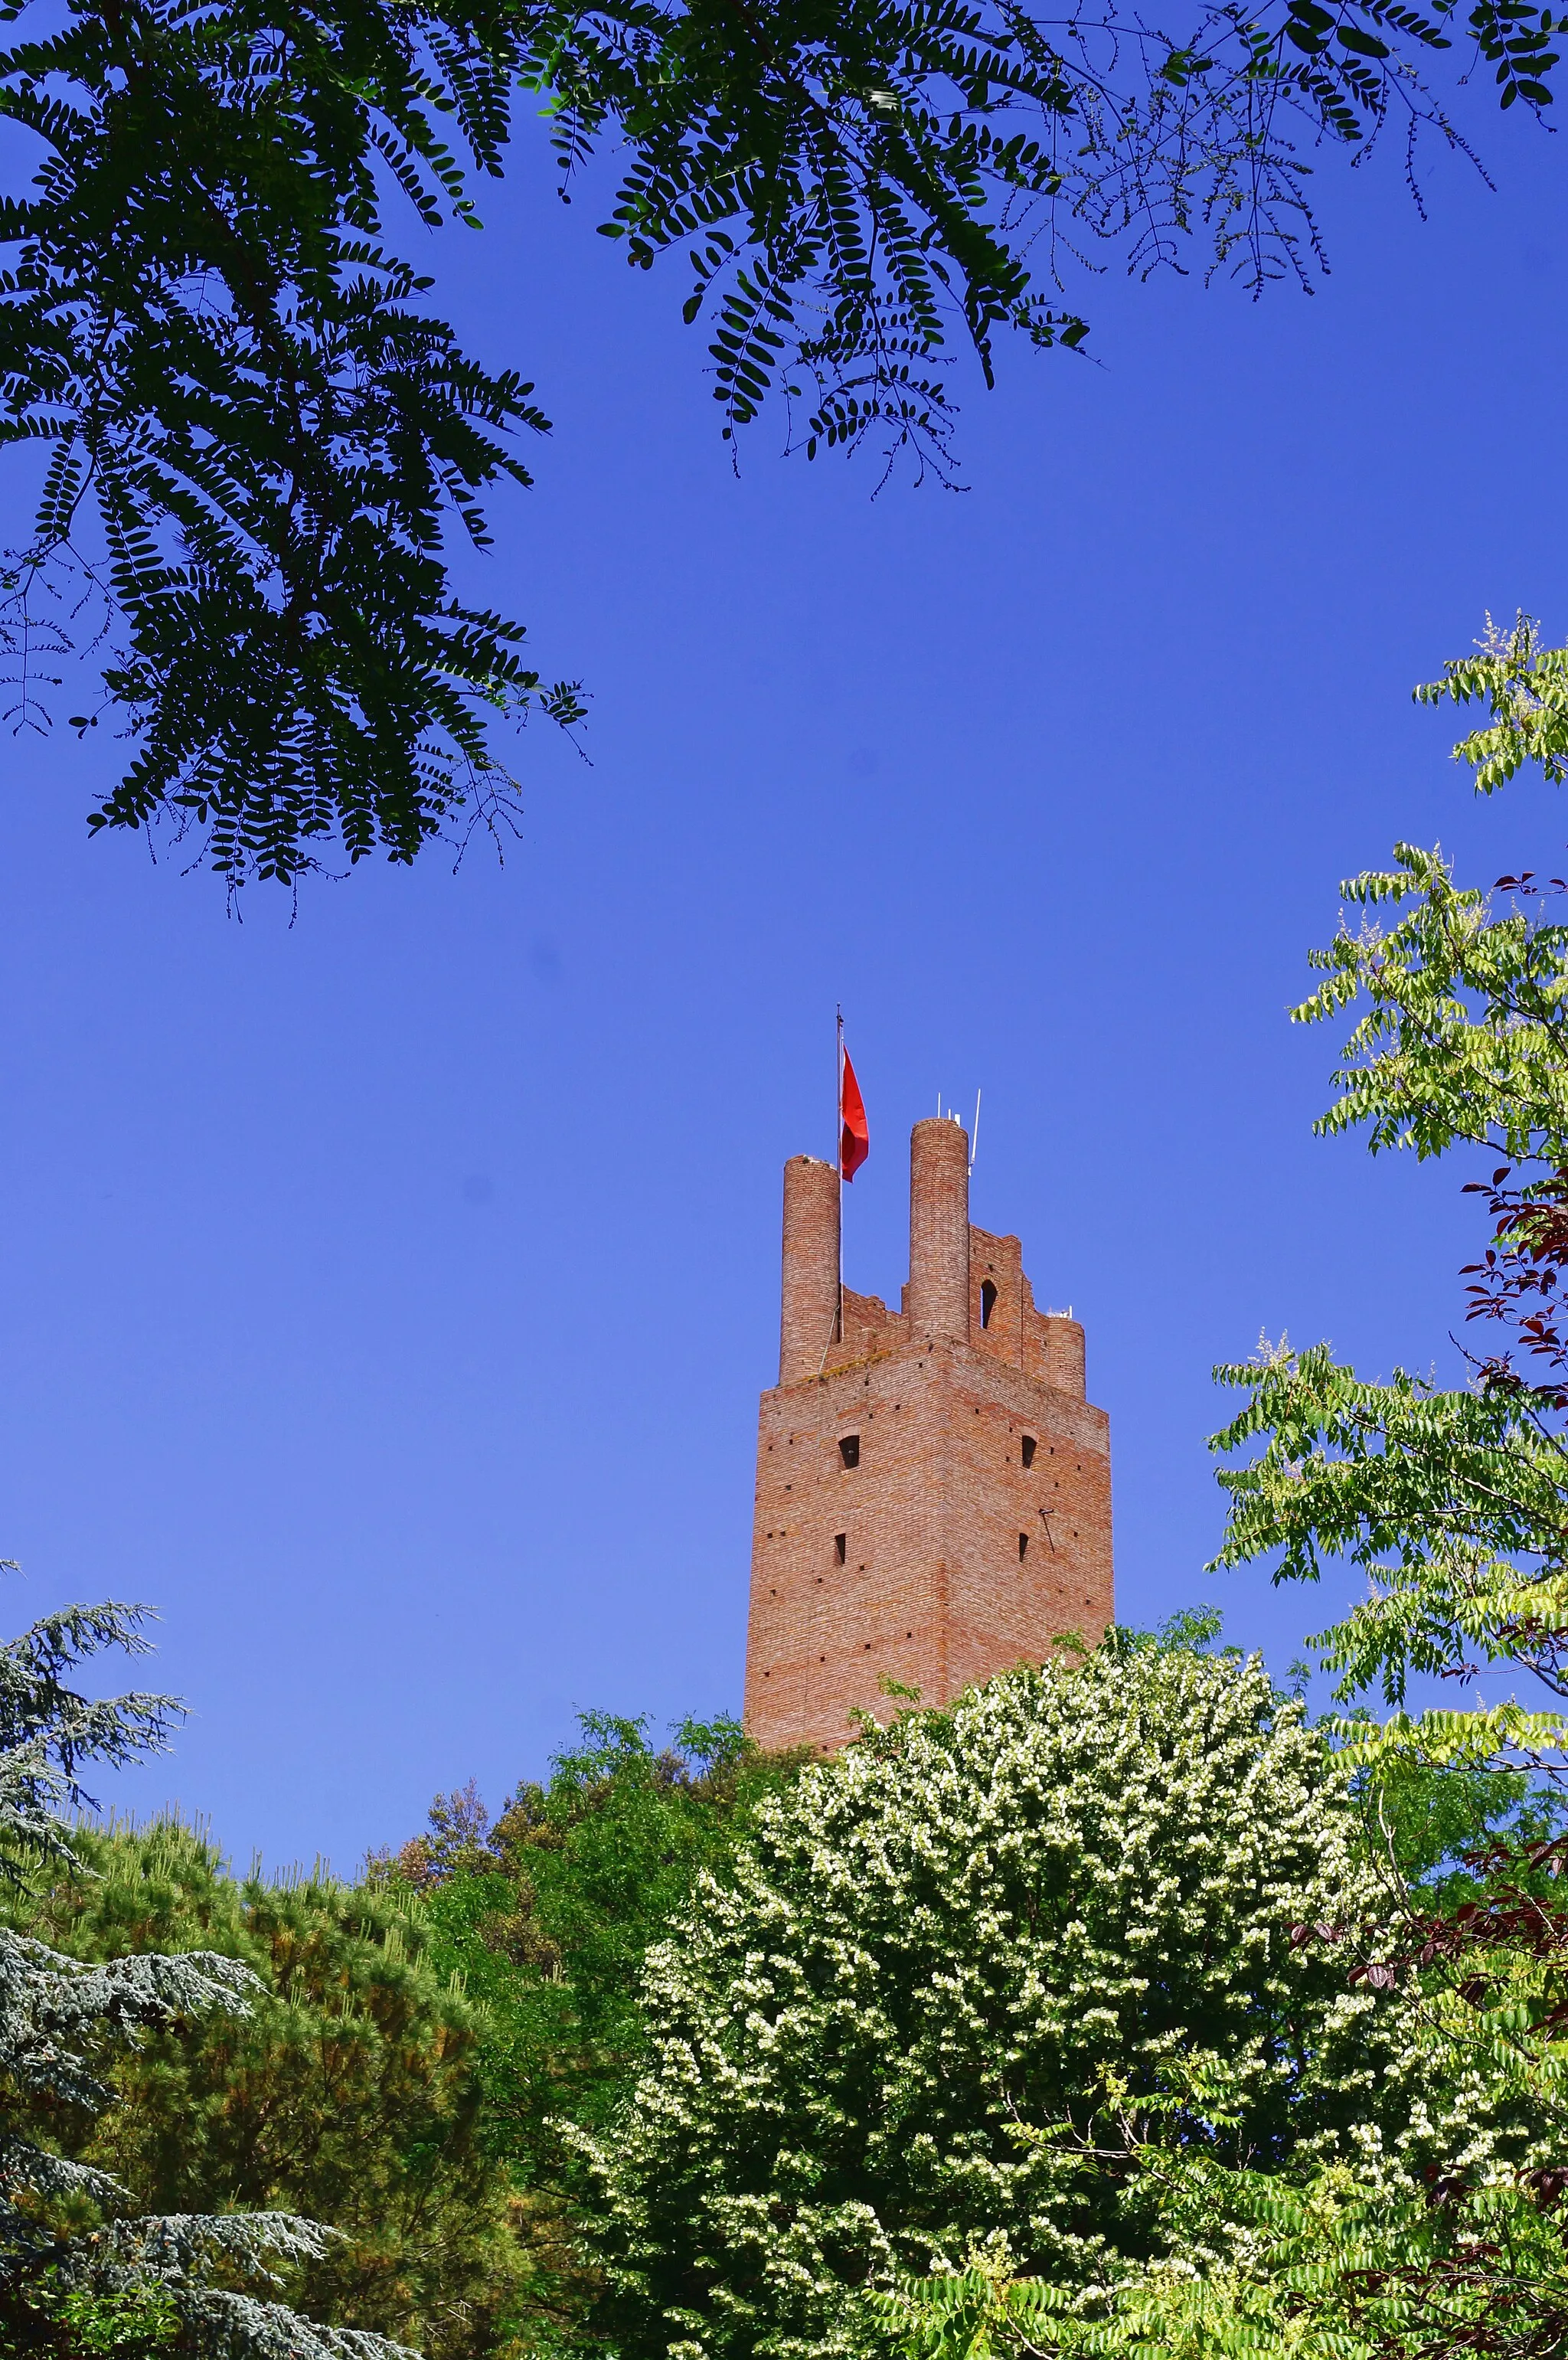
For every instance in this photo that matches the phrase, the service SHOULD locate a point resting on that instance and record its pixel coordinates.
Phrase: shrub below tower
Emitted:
(913, 2016)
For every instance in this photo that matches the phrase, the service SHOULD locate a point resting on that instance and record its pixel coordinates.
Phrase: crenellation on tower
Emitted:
(869, 1329)
(933, 1489)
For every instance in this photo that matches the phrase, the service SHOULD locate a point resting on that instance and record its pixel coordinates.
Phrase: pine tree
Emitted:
(355, 2090)
(79, 2269)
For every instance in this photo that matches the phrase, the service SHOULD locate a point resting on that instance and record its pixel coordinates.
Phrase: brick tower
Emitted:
(933, 1492)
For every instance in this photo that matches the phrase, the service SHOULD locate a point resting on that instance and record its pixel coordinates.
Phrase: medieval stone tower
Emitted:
(933, 1492)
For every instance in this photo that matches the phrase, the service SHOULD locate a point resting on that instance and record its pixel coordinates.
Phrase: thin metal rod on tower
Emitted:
(835, 1330)
(838, 1166)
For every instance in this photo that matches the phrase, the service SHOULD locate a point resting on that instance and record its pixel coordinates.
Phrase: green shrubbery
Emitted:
(1015, 1992)
(83, 2268)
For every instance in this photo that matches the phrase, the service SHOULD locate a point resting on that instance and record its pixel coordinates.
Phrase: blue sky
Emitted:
(386, 1295)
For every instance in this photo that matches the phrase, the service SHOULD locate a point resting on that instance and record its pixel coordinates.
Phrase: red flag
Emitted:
(854, 1137)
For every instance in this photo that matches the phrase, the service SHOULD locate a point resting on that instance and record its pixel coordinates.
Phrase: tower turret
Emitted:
(808, 1321)
(937, 1299)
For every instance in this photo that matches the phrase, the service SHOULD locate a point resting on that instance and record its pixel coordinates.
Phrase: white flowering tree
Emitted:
(79, 2272)
(974, 1980)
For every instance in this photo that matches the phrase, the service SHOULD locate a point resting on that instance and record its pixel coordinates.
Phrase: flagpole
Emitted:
(838, 1164)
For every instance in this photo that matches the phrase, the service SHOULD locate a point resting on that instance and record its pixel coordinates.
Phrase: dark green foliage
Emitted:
(203, 322)
(259, 435)
(546, 1917)
(46, 2319)
(349, 2092)
(548, 1914)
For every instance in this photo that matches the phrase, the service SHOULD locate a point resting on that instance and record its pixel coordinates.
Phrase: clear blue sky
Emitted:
(387, 1296)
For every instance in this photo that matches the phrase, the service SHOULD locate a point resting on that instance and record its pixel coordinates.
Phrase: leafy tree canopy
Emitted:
(1452, 1499)
(258, 437)
(548, 1913)
(1332, 2271)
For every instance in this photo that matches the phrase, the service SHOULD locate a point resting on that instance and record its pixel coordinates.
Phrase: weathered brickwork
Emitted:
(905, 1527)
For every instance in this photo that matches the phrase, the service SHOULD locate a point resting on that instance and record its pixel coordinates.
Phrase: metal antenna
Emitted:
(975, 1136)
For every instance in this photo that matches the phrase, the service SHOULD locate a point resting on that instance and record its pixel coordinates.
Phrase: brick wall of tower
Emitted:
(908, 1564)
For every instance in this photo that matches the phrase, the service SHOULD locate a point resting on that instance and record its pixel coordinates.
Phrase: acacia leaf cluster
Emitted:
(255, 427)
(258, 445)
(1453, 1500)
(1321, 2270)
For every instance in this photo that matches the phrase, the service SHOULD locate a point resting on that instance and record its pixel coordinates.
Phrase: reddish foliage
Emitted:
(1511, 1916)
(1518, 1280)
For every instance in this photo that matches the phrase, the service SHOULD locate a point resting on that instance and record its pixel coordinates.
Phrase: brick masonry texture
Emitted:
(938, 1548)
